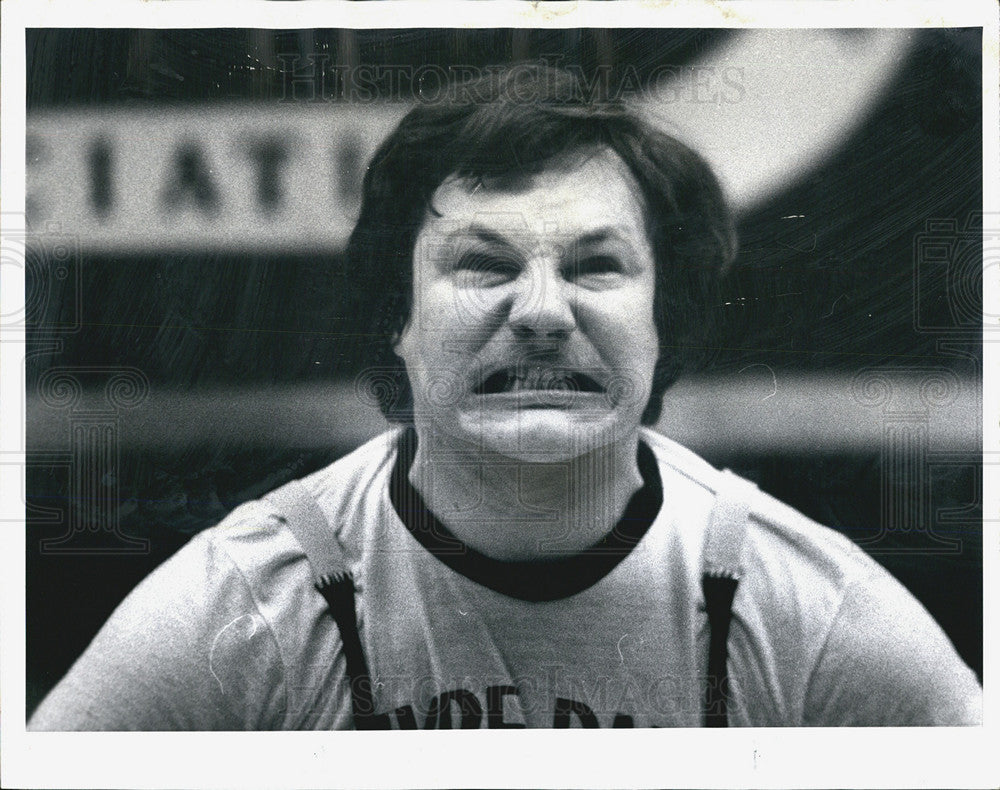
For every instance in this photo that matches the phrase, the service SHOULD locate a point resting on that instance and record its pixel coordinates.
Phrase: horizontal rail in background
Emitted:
(755, 412)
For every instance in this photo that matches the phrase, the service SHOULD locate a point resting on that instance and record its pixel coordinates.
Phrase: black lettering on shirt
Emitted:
(439, 714)
(494, 708)
(566, 707)
(622, 720)
(405, 720)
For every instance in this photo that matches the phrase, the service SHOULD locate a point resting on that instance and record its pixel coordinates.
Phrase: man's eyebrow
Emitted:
(597, 236)
(488, 236)
(610, 233)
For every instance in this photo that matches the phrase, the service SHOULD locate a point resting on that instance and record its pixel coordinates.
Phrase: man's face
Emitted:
(531, 332)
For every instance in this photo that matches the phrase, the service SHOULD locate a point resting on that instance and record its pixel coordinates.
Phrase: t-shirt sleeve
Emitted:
(186, 650)
(886, 662)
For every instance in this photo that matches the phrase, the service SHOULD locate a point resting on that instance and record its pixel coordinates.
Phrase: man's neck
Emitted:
(519, 510)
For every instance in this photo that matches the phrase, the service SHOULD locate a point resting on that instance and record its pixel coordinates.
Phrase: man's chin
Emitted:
(543, 435)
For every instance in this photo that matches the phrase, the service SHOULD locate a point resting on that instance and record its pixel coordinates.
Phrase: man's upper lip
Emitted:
(503, 379)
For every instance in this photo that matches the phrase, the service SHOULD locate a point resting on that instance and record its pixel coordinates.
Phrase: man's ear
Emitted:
(397, 338)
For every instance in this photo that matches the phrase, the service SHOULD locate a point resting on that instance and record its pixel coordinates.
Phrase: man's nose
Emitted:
(542, 307)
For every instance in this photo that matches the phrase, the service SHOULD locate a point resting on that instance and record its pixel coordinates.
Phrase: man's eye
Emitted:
(486, 269)
(596, 265)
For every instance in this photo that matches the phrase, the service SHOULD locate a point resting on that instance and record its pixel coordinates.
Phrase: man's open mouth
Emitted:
(517, 379)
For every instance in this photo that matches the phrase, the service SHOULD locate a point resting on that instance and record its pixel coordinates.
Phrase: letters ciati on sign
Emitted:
(234, 178)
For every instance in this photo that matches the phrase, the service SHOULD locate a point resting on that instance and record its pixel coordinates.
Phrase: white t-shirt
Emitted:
(231, 634)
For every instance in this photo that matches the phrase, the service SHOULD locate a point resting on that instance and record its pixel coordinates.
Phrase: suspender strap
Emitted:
(722, 572)
(339, 595)
(719, 593)
(299, 511)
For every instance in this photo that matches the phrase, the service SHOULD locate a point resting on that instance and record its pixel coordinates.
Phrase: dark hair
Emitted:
(514, 123)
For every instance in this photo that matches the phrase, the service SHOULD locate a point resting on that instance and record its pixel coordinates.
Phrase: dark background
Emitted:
(202, 320)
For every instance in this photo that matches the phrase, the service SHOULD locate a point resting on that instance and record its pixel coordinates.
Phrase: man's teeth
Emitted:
(538, 380)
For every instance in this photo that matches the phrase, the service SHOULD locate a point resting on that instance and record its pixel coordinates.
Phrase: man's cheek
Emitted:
(625, 343)
(444, 310)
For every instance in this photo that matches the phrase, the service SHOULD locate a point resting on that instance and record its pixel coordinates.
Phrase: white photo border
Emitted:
(887, 757)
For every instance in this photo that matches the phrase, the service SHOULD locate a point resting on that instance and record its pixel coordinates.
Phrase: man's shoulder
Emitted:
(678, 459)
(256, 533)
(356, 475)
(822, 634)
(775, 534)
(255, 557)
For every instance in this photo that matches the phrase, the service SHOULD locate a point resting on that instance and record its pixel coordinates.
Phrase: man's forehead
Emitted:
(596, 193)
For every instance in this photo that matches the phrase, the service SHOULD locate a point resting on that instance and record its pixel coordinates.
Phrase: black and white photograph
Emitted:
(585, 366)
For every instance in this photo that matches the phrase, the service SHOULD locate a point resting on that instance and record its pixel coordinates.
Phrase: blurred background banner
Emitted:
(195, 336)
(285, 175)
(239, 178)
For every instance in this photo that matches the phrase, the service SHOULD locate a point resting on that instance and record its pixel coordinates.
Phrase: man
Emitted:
(520, 551)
